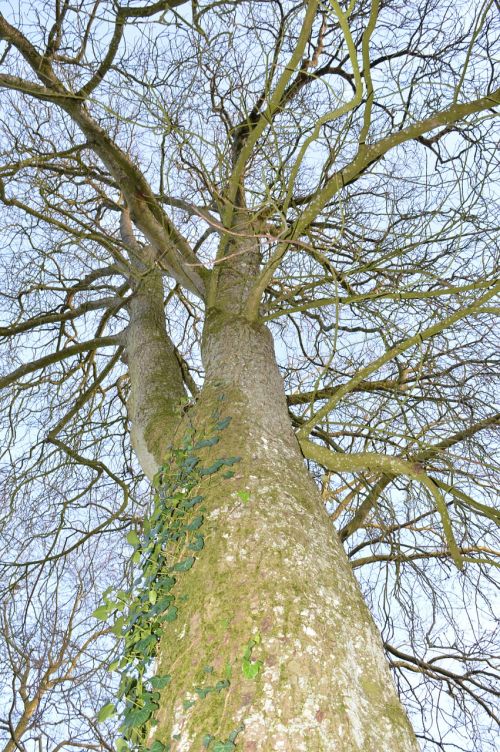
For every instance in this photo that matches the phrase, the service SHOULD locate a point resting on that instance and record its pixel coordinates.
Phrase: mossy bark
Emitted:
(270, 612)
(156, 385)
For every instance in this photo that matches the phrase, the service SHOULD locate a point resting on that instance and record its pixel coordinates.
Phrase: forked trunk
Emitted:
(273, 647)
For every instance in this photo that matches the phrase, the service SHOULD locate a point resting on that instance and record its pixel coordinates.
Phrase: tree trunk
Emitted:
(270, 646)
(155, 375)
(273, 647)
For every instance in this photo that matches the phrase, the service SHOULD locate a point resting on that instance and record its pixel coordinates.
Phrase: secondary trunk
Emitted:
(273, 647)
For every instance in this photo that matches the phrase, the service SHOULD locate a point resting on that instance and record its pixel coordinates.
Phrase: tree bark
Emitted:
(270, 611)
(156, 385)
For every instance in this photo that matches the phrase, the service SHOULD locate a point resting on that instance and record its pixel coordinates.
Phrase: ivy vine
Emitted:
(171, 541)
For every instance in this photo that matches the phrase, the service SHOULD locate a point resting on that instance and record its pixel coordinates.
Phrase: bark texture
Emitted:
(157, 389)
(271, 585)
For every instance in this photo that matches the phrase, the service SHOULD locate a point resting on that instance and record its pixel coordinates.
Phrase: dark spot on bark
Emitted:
(320, 715)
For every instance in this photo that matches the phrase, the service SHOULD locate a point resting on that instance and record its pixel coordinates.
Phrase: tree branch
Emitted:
(56, 357)
(398, 349)
(391, 465)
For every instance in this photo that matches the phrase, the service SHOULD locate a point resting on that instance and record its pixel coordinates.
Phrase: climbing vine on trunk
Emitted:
(172, 540)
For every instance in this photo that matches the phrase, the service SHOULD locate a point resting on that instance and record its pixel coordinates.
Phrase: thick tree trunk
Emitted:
(270, 646)
(273, 647)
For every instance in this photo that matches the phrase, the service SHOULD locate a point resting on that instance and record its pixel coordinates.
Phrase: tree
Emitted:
(237, 235)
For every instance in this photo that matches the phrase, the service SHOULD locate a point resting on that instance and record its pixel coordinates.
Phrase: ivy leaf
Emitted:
(153, 595)
(158, 747)
(133, 538)
(248, 650)
(223, 747)
(223, 424)
(212, 468)
(232, 736)
(190, 463)
(202, 692)
(160, 682)
(244, 495)
(163, 604)
(166, 583)
(117, 627)
(137, 717)
(185, 565)
(127, 683)
(222, 684)
(122, 746)
(171, 614)
(196, 523)
(150, 698)
(190, 503)
(206, 740)
(206, 442)
(197, 544)
(106, 712)
(143, 645)
(251, 670)
(101, 613)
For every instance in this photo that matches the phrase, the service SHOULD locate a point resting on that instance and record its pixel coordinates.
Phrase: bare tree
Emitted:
(237, 235)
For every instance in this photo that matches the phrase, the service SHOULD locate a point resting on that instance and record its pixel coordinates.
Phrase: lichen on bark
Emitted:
(272, 571)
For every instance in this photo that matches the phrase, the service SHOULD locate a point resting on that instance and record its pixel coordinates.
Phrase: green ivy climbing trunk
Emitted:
(268, 645)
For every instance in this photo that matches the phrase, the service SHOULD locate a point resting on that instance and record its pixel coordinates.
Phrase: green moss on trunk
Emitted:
(272, 647)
